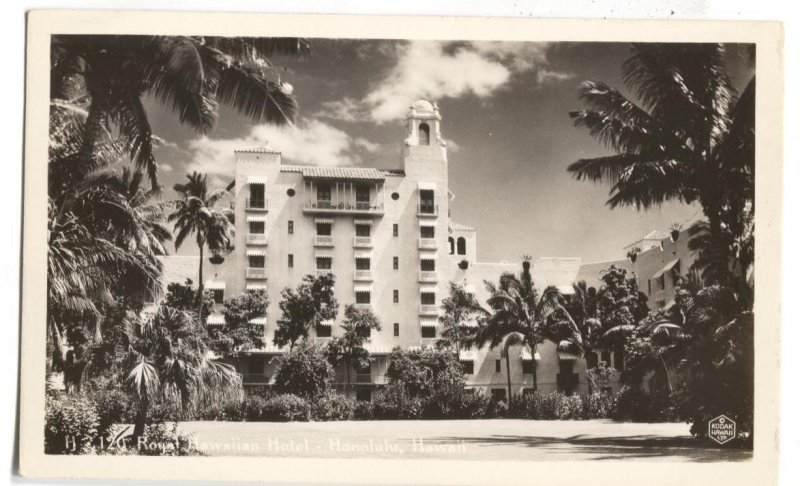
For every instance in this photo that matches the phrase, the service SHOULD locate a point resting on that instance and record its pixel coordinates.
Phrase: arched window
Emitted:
(452, 244)
(461, 245)
(424, 134)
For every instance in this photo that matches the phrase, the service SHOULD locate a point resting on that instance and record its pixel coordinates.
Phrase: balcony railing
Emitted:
(427, 243)
(427, 276)
(426, 209)
(362, 242)
(362, 275)
(256, 238)
(323, 240)
(255, 204)
(364, 378)
(256, 272)
(660, 295)
(362, 305)
(428, 310)
(343, 206)
(324, 271)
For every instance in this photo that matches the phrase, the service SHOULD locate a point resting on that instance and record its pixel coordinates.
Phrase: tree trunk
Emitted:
(91, 132)
(140, 423)
(508, 376)
(589, 384)
(200, 290)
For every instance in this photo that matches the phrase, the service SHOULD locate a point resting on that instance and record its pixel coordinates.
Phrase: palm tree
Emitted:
(517, 315)
(110, 75)
(689, 139)
(163, 358)
(196, 212)
(581, 314)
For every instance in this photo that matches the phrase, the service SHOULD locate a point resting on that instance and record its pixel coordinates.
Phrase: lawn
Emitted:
(458, 439)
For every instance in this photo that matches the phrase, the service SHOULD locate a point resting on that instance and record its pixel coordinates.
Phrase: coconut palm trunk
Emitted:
(200, 287)
(508, 376)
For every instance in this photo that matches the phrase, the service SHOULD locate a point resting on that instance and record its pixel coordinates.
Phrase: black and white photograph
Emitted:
(400, 248)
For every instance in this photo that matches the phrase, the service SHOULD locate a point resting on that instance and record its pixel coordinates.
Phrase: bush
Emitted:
(304, 372)
(455, 403)
(113, 407)
(632, 404)
(425, 372)
(333, 406)
(394, 403)
(363, 411)
(597, 405)
(229, 410)
(71, 425)
(497, 409)
(286, 408)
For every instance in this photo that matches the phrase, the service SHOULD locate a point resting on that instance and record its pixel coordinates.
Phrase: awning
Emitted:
(255, 253)
(253, 286)
(429, 256)
(470, 324)
(363, 254)
(215, 285)
(566, 289)
(216, 320)
(525, 355)
(323, 254)
(467, 355)
(326, 323)
(427, 186)
(253, 179)
(428, 323)
(323, 220)
(669, 266)
(375, 349)
(256, 219)
(367, 222)
(262, 321)
(427, 290)
(428, 223)
(568, 356)
(362, 288)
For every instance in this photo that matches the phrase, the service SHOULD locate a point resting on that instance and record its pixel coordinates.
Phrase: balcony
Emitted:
(427, 210)
(344, 206)
(427, 243)
(362, 275)
(256, 205)
(256, 272)
(257, 239)
(362, 242)
(428, 276)
(429, 310)
(361, 305)
(324, 271)
(323, 240)
(660, 295)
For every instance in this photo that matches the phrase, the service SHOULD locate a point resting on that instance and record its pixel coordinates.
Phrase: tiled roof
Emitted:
(264, 149)
(460, 227)
(654, 235)
(352, 173)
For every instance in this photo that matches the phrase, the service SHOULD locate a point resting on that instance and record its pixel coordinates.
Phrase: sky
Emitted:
(504, 108)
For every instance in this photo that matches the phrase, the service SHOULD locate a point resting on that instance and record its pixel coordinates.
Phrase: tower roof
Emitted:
(263, 149)
(423, 108)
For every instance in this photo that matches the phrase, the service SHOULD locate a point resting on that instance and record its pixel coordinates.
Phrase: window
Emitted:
(395, 196)
(426, 204)
(396, 329)
(499, 394)
(256, 196)
(527, 366)
(362, 197)
(291, 227)
(365, 332)
(256, 227)
(363, 263)
(363, 394)
(362, 230)
(566, 380)
(363, 296)
(428, 298)
(396, 296)
(290, 192)
(468, 366)
(323, 330)
(255, 365)
(324, 194)
(591, 360)
(324, 263)
(649, 286)
(256, 261)
(605, 357)
(619, 359)
(662, 283)
(324, 229)
(218, 295)
(424, 134)
(428, 332)
(497, 366)
(291, 260)
(427, 265)
(426, 231)
(395, 230)
(461, 245)
(396, 263)
(452, 243)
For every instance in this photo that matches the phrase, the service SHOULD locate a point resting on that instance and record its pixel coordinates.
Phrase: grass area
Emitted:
(459, 439)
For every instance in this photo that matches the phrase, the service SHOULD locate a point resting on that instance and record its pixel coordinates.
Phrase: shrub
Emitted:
(253, 408)
(113, 407)
(634, 405)
(455, 403)
(497, 409)
(363, 411)
(424, 372)
(286, 408)
(304, 372)
(597, 405)
(333, 406)
(71, 424)
(394, 403)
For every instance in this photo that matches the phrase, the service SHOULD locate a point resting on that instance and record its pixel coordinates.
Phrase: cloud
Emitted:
(310, 142)
(164, 167)
(438, 70)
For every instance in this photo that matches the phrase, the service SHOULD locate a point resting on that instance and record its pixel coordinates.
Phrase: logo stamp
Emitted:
(722, 429)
